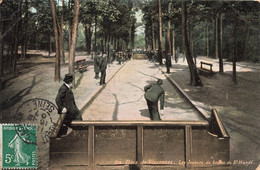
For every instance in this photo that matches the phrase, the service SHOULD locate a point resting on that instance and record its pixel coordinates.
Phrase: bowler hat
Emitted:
(68, 78)
(160, 81)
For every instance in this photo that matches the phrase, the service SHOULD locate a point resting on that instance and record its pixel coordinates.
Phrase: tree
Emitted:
(55, 28)
(74, 37)
(194, 76)
(61, 44)
(168, 44)
(160, 32)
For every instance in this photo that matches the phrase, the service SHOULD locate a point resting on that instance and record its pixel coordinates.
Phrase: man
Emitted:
(103, 67)
(66, 104)
(96, 65)
(154, 92)
(168, 62)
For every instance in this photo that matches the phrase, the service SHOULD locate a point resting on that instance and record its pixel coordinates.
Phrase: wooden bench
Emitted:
(206, 71)
(81, 65)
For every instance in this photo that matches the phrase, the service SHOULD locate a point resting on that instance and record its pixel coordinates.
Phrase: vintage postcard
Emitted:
(129, 84)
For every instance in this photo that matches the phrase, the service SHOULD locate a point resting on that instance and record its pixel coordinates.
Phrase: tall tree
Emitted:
(160, 31)
(1, 43)
(234, 58)
(168, 44)
(55, 28)
(74, 37)
(194, 76)
(61, 44)
(218, 42)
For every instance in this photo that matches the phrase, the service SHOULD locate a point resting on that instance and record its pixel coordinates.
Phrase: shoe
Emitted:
(68, 132)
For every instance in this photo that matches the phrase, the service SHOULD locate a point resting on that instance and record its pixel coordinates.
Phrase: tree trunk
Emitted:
(16, 40)
(247, 43)
(191, 40)
(234, 58)
(168, 45)
(153, 37)
(173, 42)
(221, 38)
(87, 31)
(160, 31)
(95, 42)
(74, 37)
(133, 36)
(25, 26)
(218, 43)
(36, 41)
(57, 59)
(207, 43)
(62, 55)
(146, 39)
(194, 76)
(1, 43)
(89, 40)
(212, 45)
(118, 43)
(105, 43)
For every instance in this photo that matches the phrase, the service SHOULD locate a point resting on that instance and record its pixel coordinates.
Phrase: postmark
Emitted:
(36, 111)
(15, 153)
(24, 132)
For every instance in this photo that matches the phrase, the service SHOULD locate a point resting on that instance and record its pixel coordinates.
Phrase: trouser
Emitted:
(168, 69)
(96, 74)
(70, 116)
(103, 77)
(153, 110)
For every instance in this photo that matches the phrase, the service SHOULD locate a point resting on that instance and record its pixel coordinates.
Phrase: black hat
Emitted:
(68, 78)
(160, 81)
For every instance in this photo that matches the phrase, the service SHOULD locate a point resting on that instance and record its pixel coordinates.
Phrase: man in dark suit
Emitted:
(103, 67)
(66, 103)
(96, 64)
(154, 92)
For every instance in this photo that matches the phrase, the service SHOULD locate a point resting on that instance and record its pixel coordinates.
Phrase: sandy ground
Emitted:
(237, 104)
(125, 91)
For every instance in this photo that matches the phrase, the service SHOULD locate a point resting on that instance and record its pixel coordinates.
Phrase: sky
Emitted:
(139, 15)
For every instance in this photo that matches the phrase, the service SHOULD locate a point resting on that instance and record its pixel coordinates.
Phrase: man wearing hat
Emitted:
(103, 67)
(154, 92)
(66, 102)
(96, 64)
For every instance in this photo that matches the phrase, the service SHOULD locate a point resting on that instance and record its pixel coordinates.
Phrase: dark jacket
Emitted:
(65, 98)
(103, 63)
(154, 92)
(96, 63)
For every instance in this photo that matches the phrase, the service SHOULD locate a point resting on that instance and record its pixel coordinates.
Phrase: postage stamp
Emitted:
(18, 146)
(36, 111)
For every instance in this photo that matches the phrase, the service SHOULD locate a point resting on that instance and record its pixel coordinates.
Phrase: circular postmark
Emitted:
(38, 112)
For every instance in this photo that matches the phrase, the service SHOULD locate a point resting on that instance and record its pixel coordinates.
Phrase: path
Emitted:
(123, 96)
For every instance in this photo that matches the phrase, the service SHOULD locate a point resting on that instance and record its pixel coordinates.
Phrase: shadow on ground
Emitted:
(18, 96)
(144, 113)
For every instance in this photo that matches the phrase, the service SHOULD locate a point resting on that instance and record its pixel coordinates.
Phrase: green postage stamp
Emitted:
(18, 146)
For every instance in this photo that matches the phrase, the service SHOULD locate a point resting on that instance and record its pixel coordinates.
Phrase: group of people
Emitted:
(66, 102)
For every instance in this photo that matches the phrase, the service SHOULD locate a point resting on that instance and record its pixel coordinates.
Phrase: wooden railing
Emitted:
(191, 133)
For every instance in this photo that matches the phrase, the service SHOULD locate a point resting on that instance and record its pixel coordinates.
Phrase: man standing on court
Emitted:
(96, 65)
(154, 92)
(66, 103)
(103, 67)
